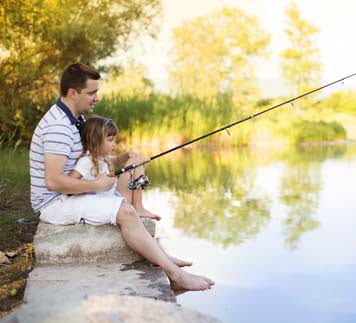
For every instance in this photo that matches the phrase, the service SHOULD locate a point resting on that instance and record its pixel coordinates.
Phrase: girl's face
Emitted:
(107, 146)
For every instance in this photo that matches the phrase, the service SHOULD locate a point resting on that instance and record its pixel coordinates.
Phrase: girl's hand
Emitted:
(135, 158)
(104, 182)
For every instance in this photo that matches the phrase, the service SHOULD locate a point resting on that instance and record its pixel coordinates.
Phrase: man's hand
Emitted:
(104, 183)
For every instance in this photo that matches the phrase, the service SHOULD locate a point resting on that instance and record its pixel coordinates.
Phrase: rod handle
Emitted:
(128, 168)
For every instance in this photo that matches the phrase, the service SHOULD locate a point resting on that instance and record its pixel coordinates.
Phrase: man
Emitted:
(55, 147)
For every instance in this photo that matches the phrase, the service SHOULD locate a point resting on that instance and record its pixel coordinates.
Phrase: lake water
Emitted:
(275, 229)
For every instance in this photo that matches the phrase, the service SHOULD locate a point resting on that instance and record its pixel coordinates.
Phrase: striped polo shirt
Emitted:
(56, 133)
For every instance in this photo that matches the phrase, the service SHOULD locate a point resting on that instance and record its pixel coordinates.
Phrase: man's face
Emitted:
(87, 98)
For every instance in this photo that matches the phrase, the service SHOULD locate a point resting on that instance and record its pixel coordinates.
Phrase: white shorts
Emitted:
(94, 209)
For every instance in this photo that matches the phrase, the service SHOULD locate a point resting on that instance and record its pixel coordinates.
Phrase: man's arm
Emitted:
(57, 181)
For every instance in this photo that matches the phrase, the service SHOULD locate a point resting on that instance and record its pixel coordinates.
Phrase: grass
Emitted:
(10, 141)
(18, 225)
(162, 120)
(14, 168)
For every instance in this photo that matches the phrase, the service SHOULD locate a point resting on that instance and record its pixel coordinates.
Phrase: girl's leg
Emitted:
(137, 198)
(134, 197)
(122, 187)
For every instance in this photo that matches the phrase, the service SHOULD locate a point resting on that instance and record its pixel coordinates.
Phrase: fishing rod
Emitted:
(131, 167)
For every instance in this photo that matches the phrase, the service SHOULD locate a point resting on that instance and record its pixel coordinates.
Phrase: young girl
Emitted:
(98, 139)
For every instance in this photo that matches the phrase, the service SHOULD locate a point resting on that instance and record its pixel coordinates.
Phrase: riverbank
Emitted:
(18, 225)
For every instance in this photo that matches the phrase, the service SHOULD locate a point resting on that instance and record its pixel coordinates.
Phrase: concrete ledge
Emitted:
(110, 290)
(81, 243)
(59, 293)
(113, 308)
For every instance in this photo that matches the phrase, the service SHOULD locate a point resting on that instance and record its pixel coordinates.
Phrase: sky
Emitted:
(335, 19)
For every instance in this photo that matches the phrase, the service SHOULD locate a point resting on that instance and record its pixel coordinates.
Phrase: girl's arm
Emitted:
(122, 159)
(75, 174)
(119, 159)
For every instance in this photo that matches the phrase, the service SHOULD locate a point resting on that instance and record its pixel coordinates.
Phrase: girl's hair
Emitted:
(94, 132)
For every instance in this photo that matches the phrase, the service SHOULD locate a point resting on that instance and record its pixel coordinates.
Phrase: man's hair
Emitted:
(75, 77)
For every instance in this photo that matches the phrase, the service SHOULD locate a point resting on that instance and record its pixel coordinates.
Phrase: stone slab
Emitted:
(120, 309)
(82, 243)
(60, 293)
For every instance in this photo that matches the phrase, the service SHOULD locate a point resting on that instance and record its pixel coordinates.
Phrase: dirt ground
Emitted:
(18, 225)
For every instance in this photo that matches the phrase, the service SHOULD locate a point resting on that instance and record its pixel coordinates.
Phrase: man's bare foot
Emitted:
(179, 262)
(189, 282)
(147, 214)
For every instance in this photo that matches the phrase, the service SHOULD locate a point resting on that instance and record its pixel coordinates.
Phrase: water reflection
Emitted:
(217, 196)
(300, 188)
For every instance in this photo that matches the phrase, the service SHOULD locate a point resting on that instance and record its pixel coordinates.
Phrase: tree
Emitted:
(128, 82)
(38, 38)
(301, 65)
(214, 55)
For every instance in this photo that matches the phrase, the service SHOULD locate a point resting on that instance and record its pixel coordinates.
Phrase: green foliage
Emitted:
(215, 54)
(129, 82)
(342, 101)
(8, 140)
(161, 119)
(339, 107)
(301, 61)
(212, 61)
(290, 125)
(310, 131)
(38, 39)
(14, 170)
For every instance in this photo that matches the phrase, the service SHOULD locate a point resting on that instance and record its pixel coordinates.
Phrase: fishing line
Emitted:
(133, 166)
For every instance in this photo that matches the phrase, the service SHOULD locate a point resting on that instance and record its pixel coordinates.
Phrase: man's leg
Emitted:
(134, 197)
(138, 238)
(176, 261)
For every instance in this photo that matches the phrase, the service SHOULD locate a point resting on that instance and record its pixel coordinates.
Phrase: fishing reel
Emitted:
(139, 182)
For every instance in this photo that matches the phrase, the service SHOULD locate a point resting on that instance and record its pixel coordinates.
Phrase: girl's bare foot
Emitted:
(147, 214)
(179, 262)
(186, 281)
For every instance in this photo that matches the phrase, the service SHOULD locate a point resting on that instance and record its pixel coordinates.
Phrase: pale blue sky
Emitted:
(335, 40)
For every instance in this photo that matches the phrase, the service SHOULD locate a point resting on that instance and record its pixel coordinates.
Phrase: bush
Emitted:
(310, 131)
